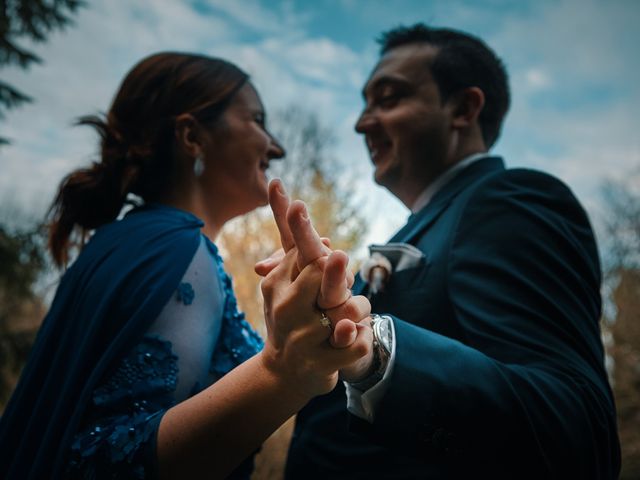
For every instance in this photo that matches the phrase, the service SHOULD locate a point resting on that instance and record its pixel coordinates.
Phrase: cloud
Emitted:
(537, 79)
(82, 68)
(582, 42)
(318, 59)
(280, 18)
(85, 64)
(574, 80)
(573, 67)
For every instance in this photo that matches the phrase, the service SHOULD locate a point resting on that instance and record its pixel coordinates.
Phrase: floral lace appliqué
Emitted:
(238, 341)
(185, 293)
(129, 407)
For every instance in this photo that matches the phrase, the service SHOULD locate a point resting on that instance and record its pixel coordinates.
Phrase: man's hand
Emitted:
(296, 348)
(335, 298)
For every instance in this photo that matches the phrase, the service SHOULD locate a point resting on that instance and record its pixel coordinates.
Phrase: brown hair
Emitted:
(137, 139)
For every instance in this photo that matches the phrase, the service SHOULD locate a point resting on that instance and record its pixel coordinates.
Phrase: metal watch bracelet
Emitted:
(382, 344)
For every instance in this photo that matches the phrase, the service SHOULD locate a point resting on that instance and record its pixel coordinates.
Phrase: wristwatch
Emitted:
(382, 345)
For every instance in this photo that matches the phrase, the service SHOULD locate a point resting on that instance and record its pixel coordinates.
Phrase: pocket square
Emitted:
(401, 255)
(386, 259)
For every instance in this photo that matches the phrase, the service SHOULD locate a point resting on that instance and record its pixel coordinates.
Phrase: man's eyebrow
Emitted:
(381, 82)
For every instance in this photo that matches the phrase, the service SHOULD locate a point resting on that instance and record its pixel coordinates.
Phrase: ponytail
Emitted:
(90, 197)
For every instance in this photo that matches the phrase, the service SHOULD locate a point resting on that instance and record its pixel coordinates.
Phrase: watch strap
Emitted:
(381, 355)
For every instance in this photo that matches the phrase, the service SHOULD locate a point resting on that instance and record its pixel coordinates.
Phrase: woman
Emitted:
(143, 366)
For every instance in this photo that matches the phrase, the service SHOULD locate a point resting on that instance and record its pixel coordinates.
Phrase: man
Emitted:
(490, 363)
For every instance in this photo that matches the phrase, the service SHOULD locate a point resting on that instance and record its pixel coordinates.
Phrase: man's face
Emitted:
(406, 126)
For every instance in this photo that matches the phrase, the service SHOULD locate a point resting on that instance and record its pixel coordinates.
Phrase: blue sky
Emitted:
(573, 64)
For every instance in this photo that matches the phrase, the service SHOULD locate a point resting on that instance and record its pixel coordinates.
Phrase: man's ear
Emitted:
(467, 105)
(187, 135)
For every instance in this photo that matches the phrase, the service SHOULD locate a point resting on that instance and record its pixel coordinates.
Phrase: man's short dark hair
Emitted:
(461, 61)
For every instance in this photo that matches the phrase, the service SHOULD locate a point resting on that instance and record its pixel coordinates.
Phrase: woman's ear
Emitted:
(467, 105)
(187, 135)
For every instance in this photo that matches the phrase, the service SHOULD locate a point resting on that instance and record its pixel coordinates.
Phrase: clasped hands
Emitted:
(302, 280)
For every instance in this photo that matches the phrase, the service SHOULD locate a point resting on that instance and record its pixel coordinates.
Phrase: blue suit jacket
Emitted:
(499, 363)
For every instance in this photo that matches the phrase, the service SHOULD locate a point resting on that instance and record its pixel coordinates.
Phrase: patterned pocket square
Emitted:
(387, 259)
(401, 255)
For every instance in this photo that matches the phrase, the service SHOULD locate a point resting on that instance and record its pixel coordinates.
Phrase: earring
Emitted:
(198, 166)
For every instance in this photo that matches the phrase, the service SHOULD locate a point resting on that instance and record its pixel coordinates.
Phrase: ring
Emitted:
(324, 321)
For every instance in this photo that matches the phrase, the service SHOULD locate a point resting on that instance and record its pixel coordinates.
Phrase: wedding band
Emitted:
(324, 321)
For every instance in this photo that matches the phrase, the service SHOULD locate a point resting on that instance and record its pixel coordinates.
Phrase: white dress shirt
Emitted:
(363, 404)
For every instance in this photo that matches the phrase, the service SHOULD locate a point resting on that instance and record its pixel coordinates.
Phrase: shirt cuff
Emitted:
(364, 404)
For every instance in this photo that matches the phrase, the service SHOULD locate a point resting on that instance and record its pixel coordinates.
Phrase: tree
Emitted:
(622, 225)
(626, 353)
(22, 260)
(310, 173)
(622, 271)
(33, 20)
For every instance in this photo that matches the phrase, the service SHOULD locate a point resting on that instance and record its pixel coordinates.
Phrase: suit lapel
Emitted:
(420, 221)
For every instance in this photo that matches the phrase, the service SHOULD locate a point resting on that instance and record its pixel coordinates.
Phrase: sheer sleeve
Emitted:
(169, 364)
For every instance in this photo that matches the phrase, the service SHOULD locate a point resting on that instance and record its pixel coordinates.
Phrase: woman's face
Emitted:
(237, 152)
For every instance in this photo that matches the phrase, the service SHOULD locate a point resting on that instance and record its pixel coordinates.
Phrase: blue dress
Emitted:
(192, 337)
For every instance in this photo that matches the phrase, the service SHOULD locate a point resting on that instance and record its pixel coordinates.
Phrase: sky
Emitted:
(574, 71)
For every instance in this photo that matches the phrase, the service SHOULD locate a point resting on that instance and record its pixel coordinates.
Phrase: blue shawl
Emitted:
(105, 302)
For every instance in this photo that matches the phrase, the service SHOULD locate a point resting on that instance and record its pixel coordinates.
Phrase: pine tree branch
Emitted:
(33, 19)
(12, 54)
(38, 18)
(10, 97)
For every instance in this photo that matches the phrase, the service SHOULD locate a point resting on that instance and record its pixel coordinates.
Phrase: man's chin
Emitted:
(389, 179)
(381, 176)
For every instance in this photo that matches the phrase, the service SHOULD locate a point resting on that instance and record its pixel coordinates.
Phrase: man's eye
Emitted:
(259, 119)
(388, 100)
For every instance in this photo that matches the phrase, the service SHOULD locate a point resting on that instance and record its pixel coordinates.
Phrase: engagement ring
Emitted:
(324, 321)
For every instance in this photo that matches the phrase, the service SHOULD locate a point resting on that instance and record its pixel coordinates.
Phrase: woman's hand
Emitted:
(296, 231)
(297, 348)
(343, 310)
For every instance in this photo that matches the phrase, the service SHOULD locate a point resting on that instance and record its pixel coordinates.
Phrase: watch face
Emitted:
(382, 330)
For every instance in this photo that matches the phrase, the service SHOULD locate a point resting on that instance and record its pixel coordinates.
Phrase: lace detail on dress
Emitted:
(129, 407)
(149, 371)
(115, 448)
(238, 341)
(185, 293)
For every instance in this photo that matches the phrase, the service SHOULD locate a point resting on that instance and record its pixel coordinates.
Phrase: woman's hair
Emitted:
(137, 140)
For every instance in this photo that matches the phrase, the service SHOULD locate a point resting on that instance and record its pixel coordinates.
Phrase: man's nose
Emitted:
(365, 122)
